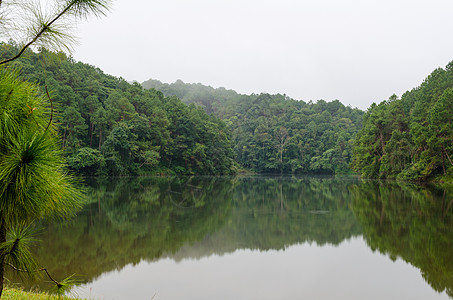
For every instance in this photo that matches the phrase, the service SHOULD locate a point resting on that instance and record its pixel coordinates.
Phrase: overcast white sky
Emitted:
(356, 51)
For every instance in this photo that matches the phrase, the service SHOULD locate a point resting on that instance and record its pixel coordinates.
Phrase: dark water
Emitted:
(257, 238)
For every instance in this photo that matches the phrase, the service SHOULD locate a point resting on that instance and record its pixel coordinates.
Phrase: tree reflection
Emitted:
(129, 220)
(410, 222)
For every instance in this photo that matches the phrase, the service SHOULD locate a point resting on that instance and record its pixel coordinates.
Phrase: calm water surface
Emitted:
(257, 238)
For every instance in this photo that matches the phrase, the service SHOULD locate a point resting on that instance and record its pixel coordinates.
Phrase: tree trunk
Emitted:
(100, 139)
(2, 259)
(446, 154)
(381, 138)
(91, 133)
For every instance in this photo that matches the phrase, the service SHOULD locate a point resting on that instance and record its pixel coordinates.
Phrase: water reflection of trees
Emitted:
(272, 213)
(410, 222)
(129, 220)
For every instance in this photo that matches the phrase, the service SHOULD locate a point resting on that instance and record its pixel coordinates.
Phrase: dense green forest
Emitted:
(410, 138)
(109, 126)
(277, 134)
(112, 127)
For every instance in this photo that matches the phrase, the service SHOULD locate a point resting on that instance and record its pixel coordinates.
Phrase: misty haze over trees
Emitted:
(277, 134)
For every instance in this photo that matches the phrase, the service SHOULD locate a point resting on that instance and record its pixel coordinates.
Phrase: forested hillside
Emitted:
(274, 133)
(109, 126)
(412, 137)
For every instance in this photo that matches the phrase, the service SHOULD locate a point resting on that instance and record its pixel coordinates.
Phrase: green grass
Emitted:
(18, 294)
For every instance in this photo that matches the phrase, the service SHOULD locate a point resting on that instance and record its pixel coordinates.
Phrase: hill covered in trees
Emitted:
(109, 126)
(410, 138)
(274, 133)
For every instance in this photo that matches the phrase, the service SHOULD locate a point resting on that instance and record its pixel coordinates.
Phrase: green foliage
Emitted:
(409, 138)
(108, 126)
(10, 293)
(274, 133)
(87, 161)
(140, 131)
(64, 286)
(31, 167)
(16, 251)
(33, 181)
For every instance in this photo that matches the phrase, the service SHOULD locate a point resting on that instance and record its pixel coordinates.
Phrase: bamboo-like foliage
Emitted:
(33, 181)
(16, 251)
(19, 105)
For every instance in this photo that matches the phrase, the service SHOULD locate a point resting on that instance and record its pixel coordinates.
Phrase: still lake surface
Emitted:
(257, 238)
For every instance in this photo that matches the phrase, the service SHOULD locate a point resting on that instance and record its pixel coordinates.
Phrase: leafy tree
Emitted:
(73, 126)
(87, 161)
(410, 138)
(89, 107)
(441, 128)
(119, 150)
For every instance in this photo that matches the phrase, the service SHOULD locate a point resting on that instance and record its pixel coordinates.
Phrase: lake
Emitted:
(256, 238)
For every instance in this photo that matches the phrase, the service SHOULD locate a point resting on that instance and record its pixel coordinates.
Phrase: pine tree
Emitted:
(33, 180)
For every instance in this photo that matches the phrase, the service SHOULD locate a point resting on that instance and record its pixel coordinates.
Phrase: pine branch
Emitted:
(51, 108)
(38, 270)
(44, 28)
(95, 7)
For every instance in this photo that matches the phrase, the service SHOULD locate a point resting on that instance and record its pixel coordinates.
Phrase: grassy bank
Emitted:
(18, 294)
